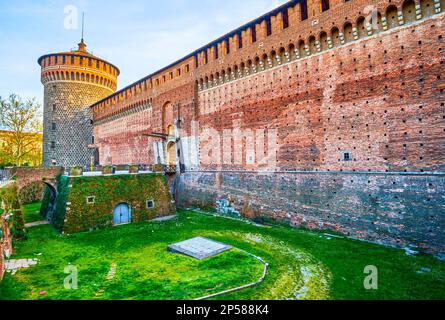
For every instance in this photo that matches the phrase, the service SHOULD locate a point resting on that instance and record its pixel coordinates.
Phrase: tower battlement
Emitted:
(78, 66)
(72, 80)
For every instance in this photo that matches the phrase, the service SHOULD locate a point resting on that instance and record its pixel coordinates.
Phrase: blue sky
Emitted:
(137, 36)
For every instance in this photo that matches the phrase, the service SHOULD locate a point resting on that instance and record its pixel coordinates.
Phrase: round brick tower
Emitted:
(73, 81)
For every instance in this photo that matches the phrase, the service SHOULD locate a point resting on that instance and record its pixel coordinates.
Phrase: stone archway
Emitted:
(171, 131)
(167, 116)
(48, 213)
(171, 154)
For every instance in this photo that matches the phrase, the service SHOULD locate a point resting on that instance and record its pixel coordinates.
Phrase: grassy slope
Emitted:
(147, 271)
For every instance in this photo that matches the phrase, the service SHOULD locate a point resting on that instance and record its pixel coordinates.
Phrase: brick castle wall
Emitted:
(306, 123)
(380, 99)
(26, 176)
(394, 209)
(120, 136)
(121, 139)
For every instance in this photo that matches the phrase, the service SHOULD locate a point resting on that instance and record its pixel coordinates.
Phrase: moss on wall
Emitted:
(58, 214)
(45, 202)
(32, 192)
(108, 192)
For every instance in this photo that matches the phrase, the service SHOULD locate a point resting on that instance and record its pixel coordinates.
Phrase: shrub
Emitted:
(107, 170)
(18, 225)
(31, 193)
(133, 169)
(76, 171)
(10, 197)
(58, 218)
(45, 202)
(158, 168)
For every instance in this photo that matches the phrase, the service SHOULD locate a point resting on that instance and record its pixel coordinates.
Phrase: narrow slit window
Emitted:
(227, 47)
(304, 14)
(285, 21)
(215, 51)
(205, 57)
(324, 5)
(268, 27)
(253, 34)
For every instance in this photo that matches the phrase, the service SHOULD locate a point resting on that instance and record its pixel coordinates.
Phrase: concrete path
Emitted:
(166, 218)
(13, 265)
(35, 224)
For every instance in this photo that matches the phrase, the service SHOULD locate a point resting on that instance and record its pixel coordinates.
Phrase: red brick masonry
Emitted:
(357, 114)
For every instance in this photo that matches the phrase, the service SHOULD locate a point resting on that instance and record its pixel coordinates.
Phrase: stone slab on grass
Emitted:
(12, 266)
(199, 248)
(36, 224)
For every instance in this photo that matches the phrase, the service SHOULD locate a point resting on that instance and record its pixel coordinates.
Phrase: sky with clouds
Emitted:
(138, 36)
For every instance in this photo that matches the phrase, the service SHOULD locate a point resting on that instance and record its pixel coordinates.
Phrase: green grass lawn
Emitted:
(31, 212)
(303, 265)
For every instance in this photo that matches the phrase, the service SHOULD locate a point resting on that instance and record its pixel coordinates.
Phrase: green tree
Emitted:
(21, 119)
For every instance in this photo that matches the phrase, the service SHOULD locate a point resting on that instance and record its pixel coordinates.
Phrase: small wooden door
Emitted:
(122, 214)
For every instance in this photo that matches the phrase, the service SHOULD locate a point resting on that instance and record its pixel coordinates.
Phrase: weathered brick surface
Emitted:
(386, 208)
(297, 100)
(121, 140)
(25, 176)
(379, 98)
(387, 110)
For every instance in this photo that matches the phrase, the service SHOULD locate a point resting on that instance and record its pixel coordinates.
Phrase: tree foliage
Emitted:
(21, 141)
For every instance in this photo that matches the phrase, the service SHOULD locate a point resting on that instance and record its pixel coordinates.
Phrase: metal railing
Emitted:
(170, 169)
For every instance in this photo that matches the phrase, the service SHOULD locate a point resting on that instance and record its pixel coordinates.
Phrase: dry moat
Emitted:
(132, 262)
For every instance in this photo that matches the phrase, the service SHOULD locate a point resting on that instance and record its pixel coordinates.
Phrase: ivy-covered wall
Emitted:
(32, 192)
(74, 214)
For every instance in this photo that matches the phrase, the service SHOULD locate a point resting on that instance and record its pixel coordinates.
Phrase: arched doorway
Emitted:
(122, 214)
(171, 154)
(168, 116)
(171, 131)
